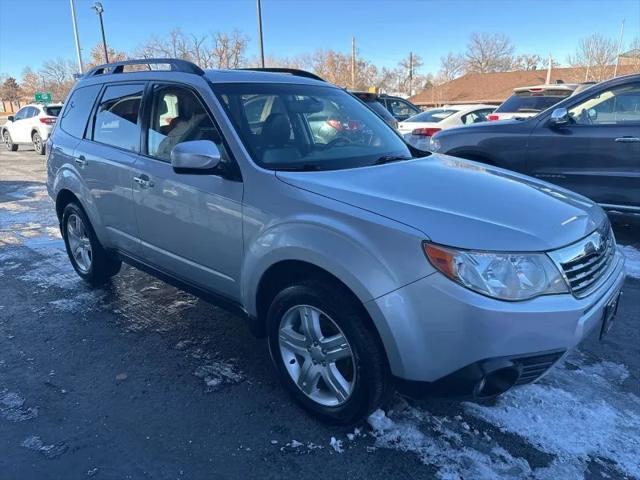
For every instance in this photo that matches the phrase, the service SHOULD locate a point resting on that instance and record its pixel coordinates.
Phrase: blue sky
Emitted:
(385, 31)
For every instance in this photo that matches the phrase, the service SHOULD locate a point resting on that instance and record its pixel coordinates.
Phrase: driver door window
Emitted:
(178, 116)
(617, 106)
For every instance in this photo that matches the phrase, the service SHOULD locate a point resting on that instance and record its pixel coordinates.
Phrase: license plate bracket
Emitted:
(609, 314)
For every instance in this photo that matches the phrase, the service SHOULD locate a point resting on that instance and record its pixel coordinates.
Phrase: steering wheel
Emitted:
(338, 140)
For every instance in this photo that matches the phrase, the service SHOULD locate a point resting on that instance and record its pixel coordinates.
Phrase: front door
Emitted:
(597, 153)
(190, 224)
(19, 129)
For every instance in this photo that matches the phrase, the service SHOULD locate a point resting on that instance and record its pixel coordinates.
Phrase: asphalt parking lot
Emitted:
(142, 381)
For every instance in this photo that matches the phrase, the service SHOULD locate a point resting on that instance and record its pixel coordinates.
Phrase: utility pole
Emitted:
(410, 73)
(259, 7)
(99, 9)
(75, 35)
(353, 62)
(615, 71)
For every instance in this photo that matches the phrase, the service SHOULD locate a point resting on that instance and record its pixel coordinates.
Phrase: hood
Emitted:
(461, 203)
(498, 126)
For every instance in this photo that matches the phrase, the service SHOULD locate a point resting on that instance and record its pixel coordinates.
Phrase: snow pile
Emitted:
(577, 415)
(336, 445)
(633, 260)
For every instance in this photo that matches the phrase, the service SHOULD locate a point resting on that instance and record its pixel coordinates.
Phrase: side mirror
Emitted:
(10, 118)
(560, 116)
(195, 157)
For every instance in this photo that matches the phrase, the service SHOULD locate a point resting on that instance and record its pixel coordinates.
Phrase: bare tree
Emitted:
(528, 61)
(634, 59)
(488, 53)
(57, 76)
(451, 67)
(228, 50)
(96, 56)
(596, 53)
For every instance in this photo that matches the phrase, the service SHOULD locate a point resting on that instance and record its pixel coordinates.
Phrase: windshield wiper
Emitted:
(305, 167)
(391, 158)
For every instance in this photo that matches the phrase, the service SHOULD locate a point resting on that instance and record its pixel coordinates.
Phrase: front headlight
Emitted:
(434, 144)
(505, 276)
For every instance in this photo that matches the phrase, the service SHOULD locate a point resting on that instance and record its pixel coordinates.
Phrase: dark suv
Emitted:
(589, 143)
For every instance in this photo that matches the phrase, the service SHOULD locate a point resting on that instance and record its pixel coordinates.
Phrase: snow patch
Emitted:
(336, 445)
(578, 415)
(632, 255)
(12, 407)
(217, 375)
(50, 451)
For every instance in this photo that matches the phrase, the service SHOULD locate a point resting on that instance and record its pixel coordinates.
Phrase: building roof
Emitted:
(497, 87)
(633, 53)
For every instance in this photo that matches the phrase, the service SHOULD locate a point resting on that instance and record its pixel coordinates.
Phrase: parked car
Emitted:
(588, 143)
(529, 101)
(31, 125)
(366, 265)
(373, 102)
(419, 129)
(400, 108)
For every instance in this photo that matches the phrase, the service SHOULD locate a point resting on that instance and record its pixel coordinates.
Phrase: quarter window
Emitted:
(617, 106)
(178, 116)
(77, 110)
(116, 121)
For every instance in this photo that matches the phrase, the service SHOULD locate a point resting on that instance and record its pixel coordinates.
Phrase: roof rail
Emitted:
(176, 64)
(291, 71)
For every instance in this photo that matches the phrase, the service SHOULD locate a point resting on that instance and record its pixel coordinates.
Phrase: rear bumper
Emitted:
(434, 327)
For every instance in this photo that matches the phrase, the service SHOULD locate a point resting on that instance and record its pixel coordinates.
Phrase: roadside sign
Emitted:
(43, 97)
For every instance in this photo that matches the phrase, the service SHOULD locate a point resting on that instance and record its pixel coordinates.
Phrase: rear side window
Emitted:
(52, 111)
(527, 103)
(77, 110)
(116, 121)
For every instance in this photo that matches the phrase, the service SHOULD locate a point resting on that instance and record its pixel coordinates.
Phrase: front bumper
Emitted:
(435, 327)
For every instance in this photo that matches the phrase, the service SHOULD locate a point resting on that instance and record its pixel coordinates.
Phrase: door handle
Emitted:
(81, 161)
(627, 139)
(143, 181)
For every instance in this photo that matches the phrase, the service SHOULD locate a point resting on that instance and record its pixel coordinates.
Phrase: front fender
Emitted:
(371, 260)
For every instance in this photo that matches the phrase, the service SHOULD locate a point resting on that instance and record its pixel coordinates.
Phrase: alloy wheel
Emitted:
(317, 355)
(79, 243)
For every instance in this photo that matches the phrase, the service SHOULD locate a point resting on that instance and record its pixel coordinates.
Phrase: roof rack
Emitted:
(176, 64)
(291, 71)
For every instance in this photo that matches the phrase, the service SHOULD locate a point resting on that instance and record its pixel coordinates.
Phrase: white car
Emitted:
(529, 101)
(31, 125)
(417, 130)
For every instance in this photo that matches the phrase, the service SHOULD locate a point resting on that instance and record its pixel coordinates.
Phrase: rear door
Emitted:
(190, 224)
(19, 130)
(106, 158)
(598, 153)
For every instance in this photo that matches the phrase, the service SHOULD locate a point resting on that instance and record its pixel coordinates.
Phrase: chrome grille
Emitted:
(584, 263)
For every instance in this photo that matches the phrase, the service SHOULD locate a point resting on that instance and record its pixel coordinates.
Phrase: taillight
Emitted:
(425, 132)
(493, 116)
(48, 120)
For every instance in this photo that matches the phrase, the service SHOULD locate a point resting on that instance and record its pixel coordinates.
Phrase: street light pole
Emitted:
(75, 35)
(99, 9)
(259, 7)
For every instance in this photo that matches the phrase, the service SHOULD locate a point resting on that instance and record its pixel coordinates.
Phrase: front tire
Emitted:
(326, 352)
(38, 144)
(89, 259)
(8, 142)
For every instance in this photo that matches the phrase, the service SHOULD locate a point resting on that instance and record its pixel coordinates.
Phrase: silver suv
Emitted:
(367, 268)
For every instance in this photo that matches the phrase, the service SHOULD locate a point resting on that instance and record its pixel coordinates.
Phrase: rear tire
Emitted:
(8, 142)
(360, 380)
(89, 259)
(38, 144)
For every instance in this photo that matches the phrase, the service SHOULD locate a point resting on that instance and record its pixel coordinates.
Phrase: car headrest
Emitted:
(276, 129)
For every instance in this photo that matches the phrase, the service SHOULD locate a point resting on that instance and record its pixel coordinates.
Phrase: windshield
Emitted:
(308, 127)
(434, 116)
(529, 103)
